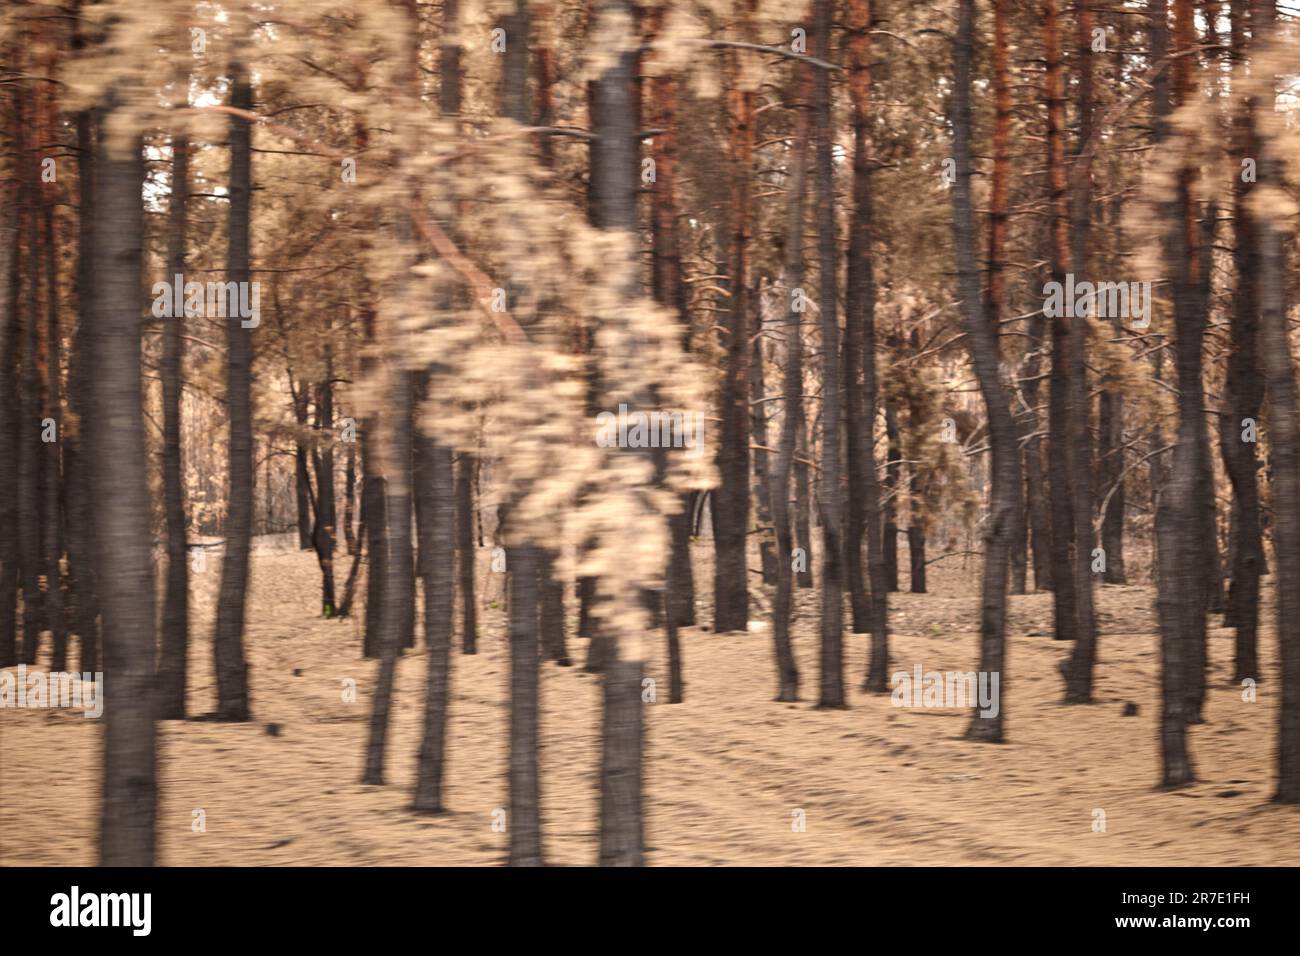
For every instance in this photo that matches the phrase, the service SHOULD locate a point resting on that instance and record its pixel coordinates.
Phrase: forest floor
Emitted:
(726, 771)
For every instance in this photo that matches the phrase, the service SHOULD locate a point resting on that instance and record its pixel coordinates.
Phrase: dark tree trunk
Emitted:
(1180, 584)
(9, 429)
(860, 308)
(1284, 444)
(173, 658)
(29, 450)
(803, 499)
(52, 536)
(435, 519)
(1005, 530)
(893, 468)
(916, 556)
(465, 553)
(787, 671)
(730, 511)
(829, 492)
(614, 175)
(1078, 671)
(78, 459)
(855, 439)
(374, 518)
(349, 498)
(525, 820)
(125, 567)
(1037, 518)
(762, 467)
(373, 514)
(1060, 463)
(324, 528)
(1243, 396)
(982, 336)
(1190, 289)
(302, 478)
(228, 642)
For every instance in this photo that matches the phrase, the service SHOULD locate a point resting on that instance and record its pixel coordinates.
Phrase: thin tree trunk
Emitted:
(9, 429)
(731, 499)
(52, 538)
(324, 530)
(1078, 671)
(829, 494)
(1243, 395)
(1061, 466)
(373, 513)
(787, 671)
(28, 449)
(465, 552)
(435, 518)
(173, 659)
(762, 467)
(1037, 519)
(803, 497)
(525, 708)
(916, 552)
(860, 308)
(227, 645)
(1110, 468)
(78, 459)
(302, 478)
(893, 467)
(350, 498)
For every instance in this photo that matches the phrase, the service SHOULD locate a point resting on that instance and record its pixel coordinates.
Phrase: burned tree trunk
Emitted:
(78, 459)
(28, 450)
(1243, 396)
(1078, 671)
(622, 827)
(435, 519)
(228, 642)
(982, 336)
(324, 530)
(1060, 464)
(830, 495)
(465, 552)
(1284, 441)
(9, 430)
(302, 477)
(730, 501)
(860, 309)
(787, 672)
(173, 657)
(125, 567)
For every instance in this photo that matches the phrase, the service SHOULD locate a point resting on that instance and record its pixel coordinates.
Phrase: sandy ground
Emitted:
(726, 770)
